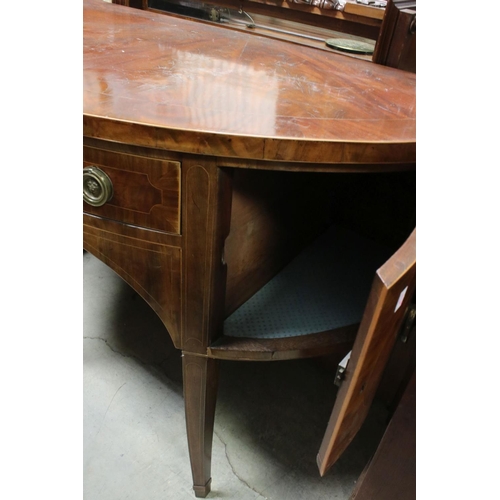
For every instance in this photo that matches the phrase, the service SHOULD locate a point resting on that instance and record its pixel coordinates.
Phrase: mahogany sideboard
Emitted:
(210, 157)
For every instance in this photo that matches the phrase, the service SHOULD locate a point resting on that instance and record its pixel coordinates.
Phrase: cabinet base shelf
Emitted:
(339, 340)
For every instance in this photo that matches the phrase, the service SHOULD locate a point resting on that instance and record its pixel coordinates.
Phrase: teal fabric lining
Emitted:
(323, 288)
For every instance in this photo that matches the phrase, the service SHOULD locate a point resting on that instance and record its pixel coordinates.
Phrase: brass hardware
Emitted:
(413, 25)
(341, 368)
(214, 15)
(348, 45)
(409, 321)
(97, 187)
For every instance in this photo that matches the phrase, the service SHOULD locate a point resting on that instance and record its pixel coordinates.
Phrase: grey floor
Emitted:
(269, 422)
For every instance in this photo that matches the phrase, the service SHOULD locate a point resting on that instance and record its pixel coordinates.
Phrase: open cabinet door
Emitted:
(390, 296)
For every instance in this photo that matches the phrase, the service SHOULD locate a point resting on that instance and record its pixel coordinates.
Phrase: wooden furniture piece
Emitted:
(397, 41)
(389, 300)
(211, 159)
(391, 472)
(390, 29)
(353, 18)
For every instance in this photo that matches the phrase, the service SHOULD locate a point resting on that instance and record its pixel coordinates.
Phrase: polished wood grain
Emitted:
(360, 22)
(200, 377)
(391, 474)
(363, 11)
(152, 269)
(270, 223)
(397, 41)
(157, 81)
(192, 118)
(398, 372)
(391, 292)
(316, 28)
(254, 164)
(206, 225)
(303, 346)
(158, 181)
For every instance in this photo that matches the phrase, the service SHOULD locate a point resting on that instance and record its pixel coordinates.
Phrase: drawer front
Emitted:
(146, 192)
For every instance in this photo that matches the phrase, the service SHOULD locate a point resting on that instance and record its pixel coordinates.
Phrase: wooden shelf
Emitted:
(311, 307)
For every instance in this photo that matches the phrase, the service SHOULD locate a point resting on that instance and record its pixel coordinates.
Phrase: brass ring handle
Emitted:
(97, 187)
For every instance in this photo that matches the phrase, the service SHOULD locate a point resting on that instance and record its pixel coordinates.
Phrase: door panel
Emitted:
(392, 290)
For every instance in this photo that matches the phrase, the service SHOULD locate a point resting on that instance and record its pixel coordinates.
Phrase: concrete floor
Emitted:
(269, 422)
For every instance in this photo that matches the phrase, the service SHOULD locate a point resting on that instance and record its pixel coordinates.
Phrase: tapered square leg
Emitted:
(200, 379)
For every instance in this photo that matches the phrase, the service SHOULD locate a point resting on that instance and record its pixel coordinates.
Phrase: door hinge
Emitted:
(409, 321)
(341, 368)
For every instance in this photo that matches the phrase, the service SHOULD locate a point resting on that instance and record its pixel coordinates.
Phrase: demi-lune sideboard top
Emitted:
(160, 81)
(211, 163)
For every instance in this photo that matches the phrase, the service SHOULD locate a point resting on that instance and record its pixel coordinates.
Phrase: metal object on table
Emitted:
(363, 47)
(323, 4)
(349, 45)
(373, 3)
(254, 25)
